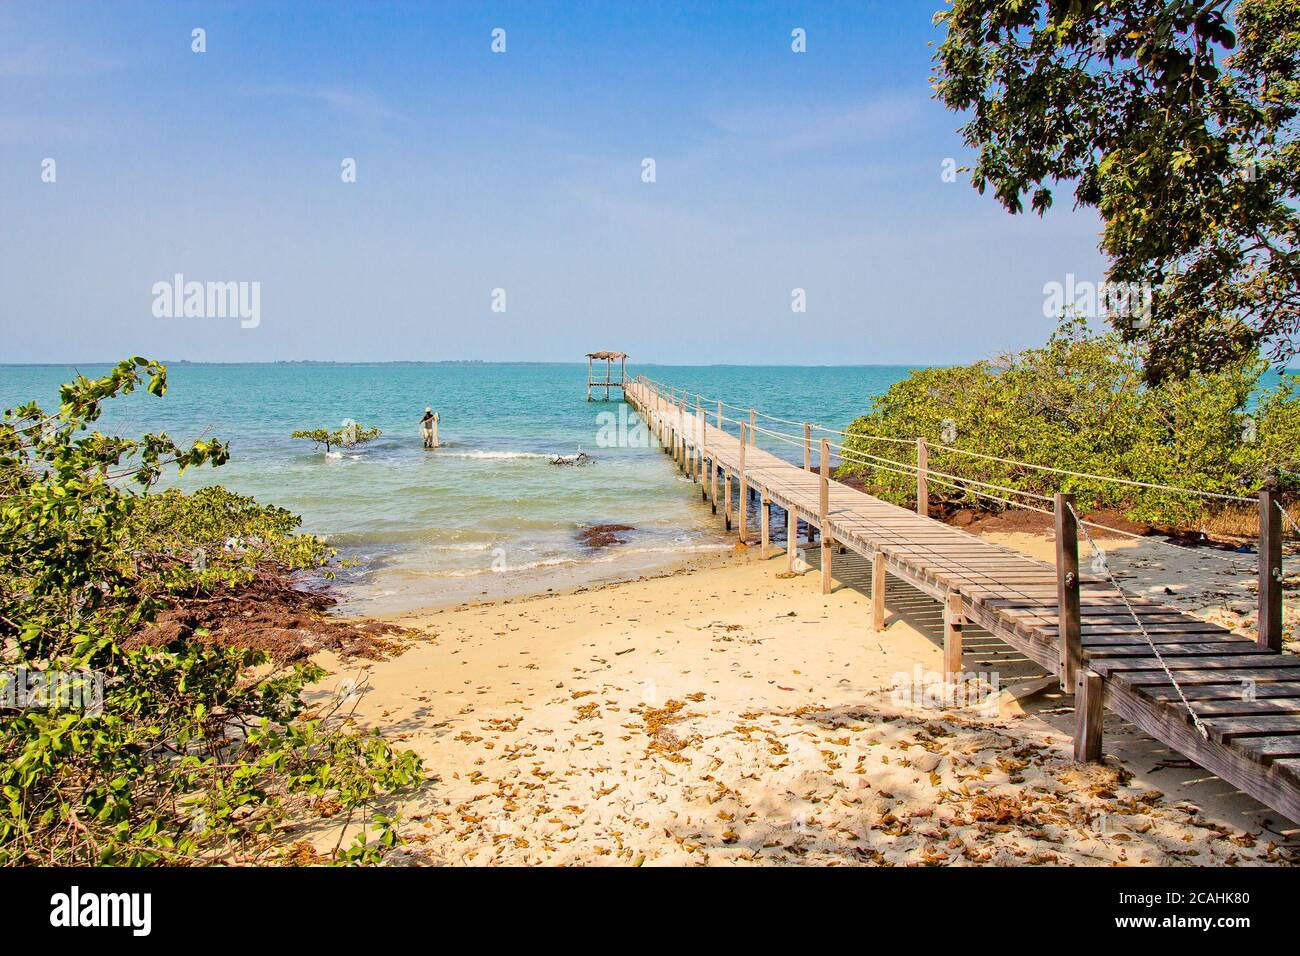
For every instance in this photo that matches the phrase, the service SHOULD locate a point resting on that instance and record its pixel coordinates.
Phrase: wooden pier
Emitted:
(1245, 696)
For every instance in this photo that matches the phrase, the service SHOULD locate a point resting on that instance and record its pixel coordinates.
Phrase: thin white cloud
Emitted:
(39, 60)
(360, 105)
(802, 128)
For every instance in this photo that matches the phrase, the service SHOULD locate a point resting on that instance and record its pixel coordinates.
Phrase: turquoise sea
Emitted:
(487, 514)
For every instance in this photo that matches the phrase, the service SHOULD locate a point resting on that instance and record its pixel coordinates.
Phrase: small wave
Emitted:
(507, 569)
(479, 453)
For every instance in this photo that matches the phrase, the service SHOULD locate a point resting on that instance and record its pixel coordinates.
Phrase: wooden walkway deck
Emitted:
(1247, 697)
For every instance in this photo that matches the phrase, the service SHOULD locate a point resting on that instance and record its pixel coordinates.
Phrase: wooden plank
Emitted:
(1240, 649)
(1263, 690)
(1271, 662)
(1227, 728)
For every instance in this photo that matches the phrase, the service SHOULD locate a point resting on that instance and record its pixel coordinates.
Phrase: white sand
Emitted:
(732, 714)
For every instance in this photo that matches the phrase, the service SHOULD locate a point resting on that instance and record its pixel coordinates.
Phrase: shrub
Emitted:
(1079, 404)
(199, 752)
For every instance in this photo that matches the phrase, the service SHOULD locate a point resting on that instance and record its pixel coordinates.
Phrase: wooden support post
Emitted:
(1088, 717)
(765, 522)
(1067, 592)
(713, 493)
(824, 508)
(435, 430)
(726, 499)
(878, 591)
(807, 447)
(744, 487)
(922, 481)
(791, 538)
(952, 622)
(751, 426)
(704, 445)
(1270, 568)
(719, 414)
(588, 378)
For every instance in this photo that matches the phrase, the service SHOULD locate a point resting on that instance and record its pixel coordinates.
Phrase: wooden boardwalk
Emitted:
(1246, 697)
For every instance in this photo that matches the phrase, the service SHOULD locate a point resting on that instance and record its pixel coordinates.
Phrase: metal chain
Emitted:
(1196, 721)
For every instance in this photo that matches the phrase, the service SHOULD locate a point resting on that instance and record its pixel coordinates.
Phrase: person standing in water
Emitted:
(428, 427)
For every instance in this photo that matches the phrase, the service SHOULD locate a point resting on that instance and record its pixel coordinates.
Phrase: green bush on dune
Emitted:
(1079, 403)
(199, 752)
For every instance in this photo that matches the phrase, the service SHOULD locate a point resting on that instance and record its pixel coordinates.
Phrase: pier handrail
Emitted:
(1155, 486)
(960, 483)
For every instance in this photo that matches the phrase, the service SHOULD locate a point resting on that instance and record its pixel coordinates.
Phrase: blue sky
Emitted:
(519, 171)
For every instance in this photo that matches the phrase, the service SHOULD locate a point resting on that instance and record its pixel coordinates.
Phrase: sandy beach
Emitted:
(729, 713)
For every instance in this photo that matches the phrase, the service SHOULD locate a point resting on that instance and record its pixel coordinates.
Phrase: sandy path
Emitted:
(732, 714)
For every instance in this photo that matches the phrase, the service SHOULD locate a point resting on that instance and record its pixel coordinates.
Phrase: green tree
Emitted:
(347, 436)
(1176, 120)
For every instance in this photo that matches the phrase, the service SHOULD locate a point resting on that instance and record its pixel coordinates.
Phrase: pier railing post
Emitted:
(878, 590)
(704, 447)
(765, 521)
(1270, 568)
(824, 510)
(1067, 592)
(922, 479)
(807, 447)
(719, 414)
(751, 426)
(744, 487)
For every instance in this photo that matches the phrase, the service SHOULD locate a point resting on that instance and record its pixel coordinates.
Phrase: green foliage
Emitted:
(1191, 155)
(347, 436)
(199, 752)
(1079, 404)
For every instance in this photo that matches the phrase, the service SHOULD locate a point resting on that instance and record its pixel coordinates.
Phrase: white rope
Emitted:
(1081, 474)
(965, 482)
(1006, 461)
(1196, 720)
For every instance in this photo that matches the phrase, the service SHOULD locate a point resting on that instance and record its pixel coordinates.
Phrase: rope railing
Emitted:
(962, 483)
(1113, 479)
(973, 487)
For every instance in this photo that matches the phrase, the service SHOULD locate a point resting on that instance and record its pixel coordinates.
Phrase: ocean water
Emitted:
(487, 514)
